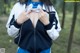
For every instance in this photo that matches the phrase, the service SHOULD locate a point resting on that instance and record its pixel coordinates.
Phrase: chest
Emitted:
(28, 26)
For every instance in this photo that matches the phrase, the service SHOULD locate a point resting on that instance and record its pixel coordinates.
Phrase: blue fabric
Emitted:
(25, 51)
(20, 50)
(35, 4)
(46, 51)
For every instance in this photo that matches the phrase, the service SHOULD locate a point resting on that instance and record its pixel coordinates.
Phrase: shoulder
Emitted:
(16, 5)
(49, 8)
(52, 8)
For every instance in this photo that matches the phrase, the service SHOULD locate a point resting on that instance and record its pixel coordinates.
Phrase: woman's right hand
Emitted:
(23, 17)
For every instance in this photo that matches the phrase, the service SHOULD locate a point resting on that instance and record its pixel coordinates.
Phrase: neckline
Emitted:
(43, 6)
(32, 23)
(33, 1)
(27, 3)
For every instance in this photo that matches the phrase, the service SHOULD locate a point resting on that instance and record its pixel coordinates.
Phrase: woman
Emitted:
(34, 24)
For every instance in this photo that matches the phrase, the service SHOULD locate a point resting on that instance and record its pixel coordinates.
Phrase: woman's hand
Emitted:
(44, 17)
(23, 17)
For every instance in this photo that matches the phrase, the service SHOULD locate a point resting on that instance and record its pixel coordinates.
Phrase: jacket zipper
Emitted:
(34, 38)
(34, 42)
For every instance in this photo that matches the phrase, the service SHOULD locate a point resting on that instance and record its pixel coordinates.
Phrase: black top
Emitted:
(35, 39)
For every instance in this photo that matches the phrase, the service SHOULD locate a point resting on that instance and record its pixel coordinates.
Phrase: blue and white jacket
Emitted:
(28, 37)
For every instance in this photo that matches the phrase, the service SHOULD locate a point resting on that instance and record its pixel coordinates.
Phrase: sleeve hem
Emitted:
(49, 26)
(17, 25)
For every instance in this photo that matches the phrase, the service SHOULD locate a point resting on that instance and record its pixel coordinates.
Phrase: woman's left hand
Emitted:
(44, 17)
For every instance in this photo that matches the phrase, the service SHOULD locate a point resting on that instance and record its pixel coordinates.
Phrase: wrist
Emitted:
(17, 25)
(46, 23)
(19, 22)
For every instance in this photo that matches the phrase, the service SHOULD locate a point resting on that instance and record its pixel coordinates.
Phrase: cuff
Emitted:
(17, 25)
(49, 26)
